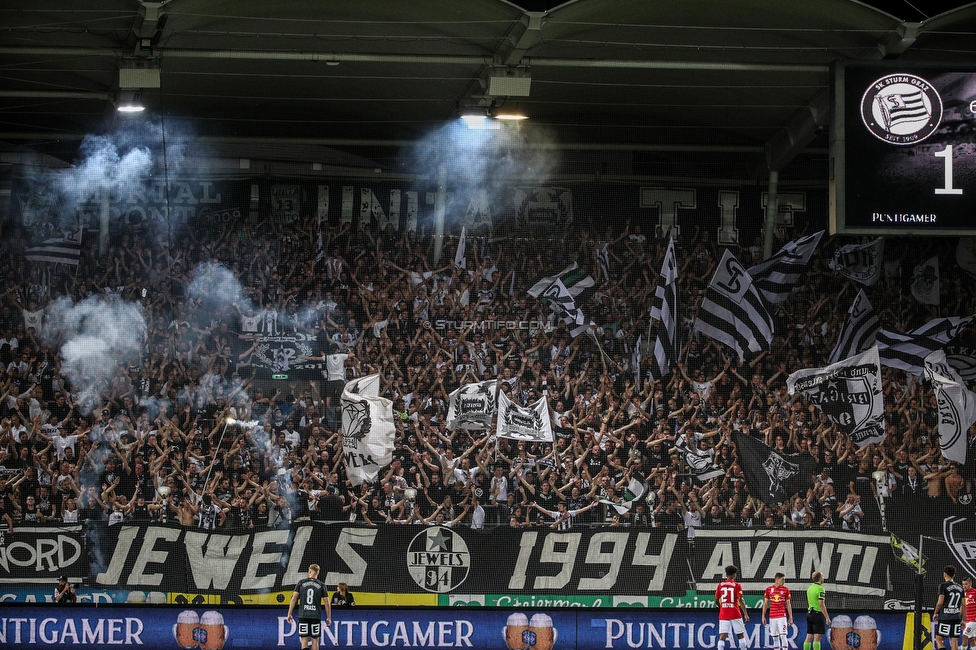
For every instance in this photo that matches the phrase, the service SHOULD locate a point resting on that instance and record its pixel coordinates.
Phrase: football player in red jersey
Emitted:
(778, 605)
(731, 609)
(969, 624)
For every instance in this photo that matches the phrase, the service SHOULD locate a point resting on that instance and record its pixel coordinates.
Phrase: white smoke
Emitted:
(98, 338)
(492, 161)
(119, 164)
(215, 286)
(104, 167)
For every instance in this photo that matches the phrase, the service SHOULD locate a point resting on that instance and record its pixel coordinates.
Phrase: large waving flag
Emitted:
(849, 394)
(860, 330)
(63, 249)
(367, 429)
(733, 312)
(776, 277)
(575, 279)
(957, 406)
(908, 351)
(772, 476)
(665, 310)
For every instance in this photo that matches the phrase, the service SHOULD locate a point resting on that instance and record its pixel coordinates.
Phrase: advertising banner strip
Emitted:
(209, 628)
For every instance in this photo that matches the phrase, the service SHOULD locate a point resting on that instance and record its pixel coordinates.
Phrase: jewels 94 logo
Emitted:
(901, 109)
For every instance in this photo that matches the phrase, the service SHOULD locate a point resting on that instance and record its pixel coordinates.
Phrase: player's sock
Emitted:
(816, 645)
(742, 643)
(721, 645)
(807, 645)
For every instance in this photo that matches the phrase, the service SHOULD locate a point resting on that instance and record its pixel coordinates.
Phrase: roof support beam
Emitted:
(326, 57)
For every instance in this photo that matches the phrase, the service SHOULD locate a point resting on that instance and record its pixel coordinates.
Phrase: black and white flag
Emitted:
(603, 258)
(957, 406)
(849, 394)
(665, 311)
(636, 358)
(524, 423)
(776, 277)
(773, 477)
(65, 249)
(700, 461)
(908, 351)
(367, 429)
(460, 262)
(859, 262)
(733, 312)
(925, 282)
(473, 406)
(860, 330)
(575, 279)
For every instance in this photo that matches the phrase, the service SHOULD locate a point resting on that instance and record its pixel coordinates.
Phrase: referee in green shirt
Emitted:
(817, 617)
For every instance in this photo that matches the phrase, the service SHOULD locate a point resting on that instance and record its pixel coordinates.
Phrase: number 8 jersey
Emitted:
(310, 594)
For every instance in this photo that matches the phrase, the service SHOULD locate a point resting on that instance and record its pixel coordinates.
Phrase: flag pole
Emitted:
(919, 583)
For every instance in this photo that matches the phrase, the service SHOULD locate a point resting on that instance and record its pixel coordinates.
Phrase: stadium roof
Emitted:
(635, 75)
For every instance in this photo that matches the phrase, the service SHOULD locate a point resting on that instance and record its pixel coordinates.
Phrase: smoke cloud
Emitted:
(98, 337)
(216, 287)
(486, 162)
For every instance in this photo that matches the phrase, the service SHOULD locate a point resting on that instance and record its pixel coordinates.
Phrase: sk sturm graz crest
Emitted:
(958, 532)
(901, 109)
(438, 559)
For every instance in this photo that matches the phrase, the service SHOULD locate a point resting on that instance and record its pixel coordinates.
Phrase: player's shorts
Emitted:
(309, 627)
(948, 629)
(969, 629)
(735, 626)
(777, 626)
(815, 623)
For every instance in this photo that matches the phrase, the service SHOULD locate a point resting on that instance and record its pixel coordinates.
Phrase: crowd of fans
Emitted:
(158, 446)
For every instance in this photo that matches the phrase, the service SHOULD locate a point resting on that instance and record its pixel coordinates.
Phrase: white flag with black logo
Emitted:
(849, 394)
(776, 277)
(859, 262)
(664, 310)
(733, 312)
(908, 351)
(957, 406)
(524, 422)
(473, 406)
(860, 330)
(925, 282)
(367, 429)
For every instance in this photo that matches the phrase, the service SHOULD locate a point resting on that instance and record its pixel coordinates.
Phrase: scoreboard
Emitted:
(903, 149)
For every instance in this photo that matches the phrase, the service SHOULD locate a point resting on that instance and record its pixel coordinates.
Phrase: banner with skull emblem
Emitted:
(473, 406)
(367, 429)
(849, 394)
(772, 476)
(530, 422)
